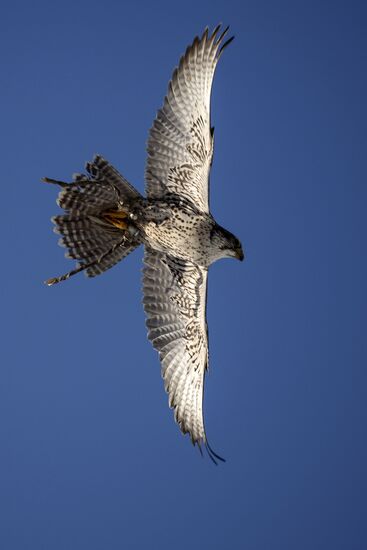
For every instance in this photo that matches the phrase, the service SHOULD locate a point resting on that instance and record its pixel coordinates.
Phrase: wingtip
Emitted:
(226, 43)
(224, 32)
(215, 31)
(213, 455)
(216, 40)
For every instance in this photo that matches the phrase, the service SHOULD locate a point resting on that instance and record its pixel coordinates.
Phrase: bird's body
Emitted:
(176, 227)
(106, 218)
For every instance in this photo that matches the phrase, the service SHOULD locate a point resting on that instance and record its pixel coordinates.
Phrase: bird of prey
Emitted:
(106, 218)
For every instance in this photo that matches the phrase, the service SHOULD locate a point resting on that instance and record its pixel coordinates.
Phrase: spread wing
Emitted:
(180, 144)
(175, 305)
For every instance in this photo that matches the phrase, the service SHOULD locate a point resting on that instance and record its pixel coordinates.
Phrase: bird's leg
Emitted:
(55, 182)
(115, 218)
(80, 183)
(54, 280)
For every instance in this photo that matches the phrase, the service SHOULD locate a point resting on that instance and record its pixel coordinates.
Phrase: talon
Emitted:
(119, 224)
(51, 281)
(115, 218)
(116, 214)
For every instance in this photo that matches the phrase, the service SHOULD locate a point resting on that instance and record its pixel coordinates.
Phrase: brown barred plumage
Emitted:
(90, 238)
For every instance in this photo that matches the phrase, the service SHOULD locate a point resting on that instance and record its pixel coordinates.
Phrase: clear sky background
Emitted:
(90, 457)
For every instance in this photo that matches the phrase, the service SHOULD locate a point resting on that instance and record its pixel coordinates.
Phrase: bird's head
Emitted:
(226, 244)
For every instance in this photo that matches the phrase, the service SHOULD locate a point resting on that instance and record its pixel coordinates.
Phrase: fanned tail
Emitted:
(96, 227)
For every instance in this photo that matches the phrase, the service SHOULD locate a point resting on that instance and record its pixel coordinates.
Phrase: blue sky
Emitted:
(90, 456)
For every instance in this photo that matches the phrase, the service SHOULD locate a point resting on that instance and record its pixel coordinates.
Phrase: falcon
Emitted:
(105, 218)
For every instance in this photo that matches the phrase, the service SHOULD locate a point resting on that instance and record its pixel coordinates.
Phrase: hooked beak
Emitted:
(239, 254)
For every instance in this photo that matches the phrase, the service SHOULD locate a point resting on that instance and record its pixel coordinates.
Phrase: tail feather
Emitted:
(101, 170)
(103, 188)
(85, 229)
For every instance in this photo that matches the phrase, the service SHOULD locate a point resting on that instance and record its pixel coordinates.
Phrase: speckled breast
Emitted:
(175, 228)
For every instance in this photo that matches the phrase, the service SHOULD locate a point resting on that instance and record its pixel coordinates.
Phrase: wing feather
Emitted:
(174, 302)
(180, 143)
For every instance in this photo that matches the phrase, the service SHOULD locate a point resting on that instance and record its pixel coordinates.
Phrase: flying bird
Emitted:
(106, 218)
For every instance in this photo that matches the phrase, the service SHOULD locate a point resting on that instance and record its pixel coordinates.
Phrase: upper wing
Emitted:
(180, 144)
(175, 305)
